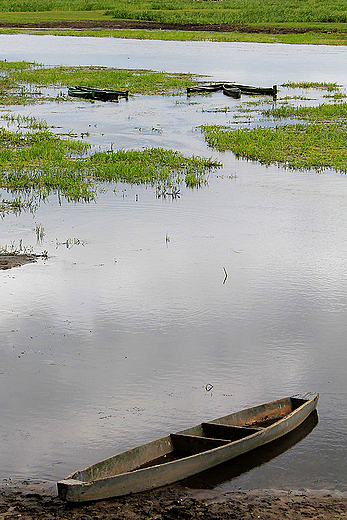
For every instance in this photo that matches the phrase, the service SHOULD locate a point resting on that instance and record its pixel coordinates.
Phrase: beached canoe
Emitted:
(96, 93)
(187, 452)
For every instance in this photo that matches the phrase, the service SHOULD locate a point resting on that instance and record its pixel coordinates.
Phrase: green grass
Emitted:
(35, 76)
(324, 112)
(318, 144)
(37, 162)
(199, 11)
(330, 87)
(299, 147)
(34, 161)
(232, 11)
(326, 21)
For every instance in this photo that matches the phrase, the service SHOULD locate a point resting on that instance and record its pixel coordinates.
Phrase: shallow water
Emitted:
(111, 342)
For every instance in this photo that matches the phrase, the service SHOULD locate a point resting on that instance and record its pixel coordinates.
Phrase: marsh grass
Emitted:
(319, 143)
(324, 112)
(299, 147)
(322, 85)
(21, 80)
(15, 205)
(231, 11)
(15, 248)
(35, 161)
(40, 162)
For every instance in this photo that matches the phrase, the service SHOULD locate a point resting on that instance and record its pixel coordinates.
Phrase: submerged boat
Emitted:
(187, 452)
(234, 89)
(205, 88)
(97, 93)
(233, 92)
(247, 89)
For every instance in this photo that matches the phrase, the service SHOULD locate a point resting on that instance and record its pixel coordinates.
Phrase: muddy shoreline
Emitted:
(31, 500)
(16, 260)
(133, 24)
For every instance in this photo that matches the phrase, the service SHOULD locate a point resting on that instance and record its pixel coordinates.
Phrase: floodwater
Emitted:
(119, 336)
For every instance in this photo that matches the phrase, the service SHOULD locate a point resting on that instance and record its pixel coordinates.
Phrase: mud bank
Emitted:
(36, 500)
(10, 261)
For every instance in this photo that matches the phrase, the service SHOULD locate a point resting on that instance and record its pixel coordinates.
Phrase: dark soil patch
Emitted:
(177, 503)
(9, 261)
(130, 24)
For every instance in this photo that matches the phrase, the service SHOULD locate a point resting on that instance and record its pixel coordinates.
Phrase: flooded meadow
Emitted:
(154, 312)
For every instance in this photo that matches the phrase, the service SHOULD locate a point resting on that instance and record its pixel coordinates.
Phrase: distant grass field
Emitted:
(197, 11)
(327, 21)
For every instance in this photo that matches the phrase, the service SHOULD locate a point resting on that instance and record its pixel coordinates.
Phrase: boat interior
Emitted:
(234, 427)
(213, 434)
(198, 439)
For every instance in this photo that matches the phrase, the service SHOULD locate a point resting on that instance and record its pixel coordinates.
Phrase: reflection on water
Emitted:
(112, 342)
(227, 471)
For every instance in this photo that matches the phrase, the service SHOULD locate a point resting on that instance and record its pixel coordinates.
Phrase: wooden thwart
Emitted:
(195, 444)
(231, 433)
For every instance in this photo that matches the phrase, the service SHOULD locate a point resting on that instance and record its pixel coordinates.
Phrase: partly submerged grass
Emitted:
(323, 112)
(299, 147)
(322, 85)
(41, 162)
(319, 144)
(19, 81)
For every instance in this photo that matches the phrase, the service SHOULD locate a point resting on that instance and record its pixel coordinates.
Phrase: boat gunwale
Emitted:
(311, 402)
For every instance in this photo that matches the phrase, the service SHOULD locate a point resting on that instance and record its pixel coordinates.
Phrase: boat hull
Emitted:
(234, 90)
(134, 480)
(97, 94)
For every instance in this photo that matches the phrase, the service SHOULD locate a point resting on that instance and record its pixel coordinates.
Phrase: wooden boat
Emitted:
(205, 88)
(231, 469)
(95, 93)
(233, 92)
(187, 452)
(234, 89)
(247, 89)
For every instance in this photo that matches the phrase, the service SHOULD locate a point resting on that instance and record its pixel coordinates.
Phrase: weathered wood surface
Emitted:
(118, 475)
(232, 433)
(192, 444)
(248, 89)
(234, 89)
(232, 92)
(205, 88)
(97, 94)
